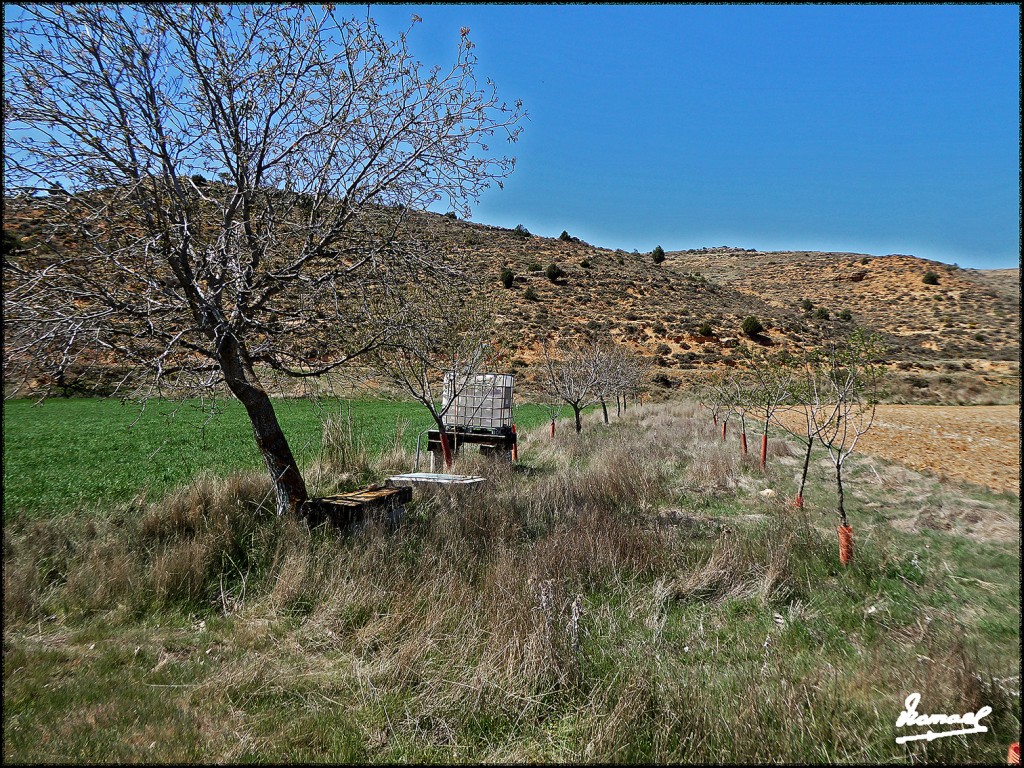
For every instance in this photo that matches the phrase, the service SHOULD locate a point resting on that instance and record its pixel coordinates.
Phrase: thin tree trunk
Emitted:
(803, 475)
(552, 428)
(604, 410)
(764, 451)
(618, 407)
(839, 491)
(579, 424)
(289, 487)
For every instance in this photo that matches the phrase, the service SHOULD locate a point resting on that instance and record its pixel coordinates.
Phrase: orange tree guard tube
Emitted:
(1013, 754)
(515, 444)
(743, 442)
(845, 544)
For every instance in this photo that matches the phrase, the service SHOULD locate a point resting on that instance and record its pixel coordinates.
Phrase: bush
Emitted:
(507, 277)
(752, 326)
(930, 278)
(530, 294)
(564, 237)
(585, 264)
(846, 315)
(705, 329)
(521, 231)
(452, 215)
(533, 266)
(553, 272)
(806, 305)
(822, 313)
(658, 254)
(198, 179)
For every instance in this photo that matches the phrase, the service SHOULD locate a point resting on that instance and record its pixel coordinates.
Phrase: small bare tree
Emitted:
(218, 175)
(846, 387)
(572, 376)
(439, 330)
(801, 403)
(771, 380)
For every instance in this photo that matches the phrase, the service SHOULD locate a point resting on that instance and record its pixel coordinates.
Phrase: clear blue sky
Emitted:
(875, 129)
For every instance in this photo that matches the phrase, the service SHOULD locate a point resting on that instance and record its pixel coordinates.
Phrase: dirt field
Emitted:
(979, 444)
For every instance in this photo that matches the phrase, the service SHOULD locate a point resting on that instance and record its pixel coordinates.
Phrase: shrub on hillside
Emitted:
(658, 254)
(530, 294)
(564, 237)
(752, 326)
(553, 272)
(521, 231)
(585, 264)
(507, 277)
(822, 313)
(846, 315)
(930, 278)
(806, 305)
(705, 329)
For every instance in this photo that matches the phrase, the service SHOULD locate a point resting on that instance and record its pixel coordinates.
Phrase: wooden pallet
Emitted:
(345, 509)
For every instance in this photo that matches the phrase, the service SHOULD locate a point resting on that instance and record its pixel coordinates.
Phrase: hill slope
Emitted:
(967, 322)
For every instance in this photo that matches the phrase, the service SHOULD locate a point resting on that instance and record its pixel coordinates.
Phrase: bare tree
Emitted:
(845, 387)
(317, 136)
(801, 403)
(572, 375)
(439, 330)
(771, 380)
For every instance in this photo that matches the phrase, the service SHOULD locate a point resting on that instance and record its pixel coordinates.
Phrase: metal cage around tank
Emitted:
(480, 402)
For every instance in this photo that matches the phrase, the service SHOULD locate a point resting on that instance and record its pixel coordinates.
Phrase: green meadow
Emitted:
(85, 455)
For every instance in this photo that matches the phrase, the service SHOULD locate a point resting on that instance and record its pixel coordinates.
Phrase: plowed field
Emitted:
(978, 444)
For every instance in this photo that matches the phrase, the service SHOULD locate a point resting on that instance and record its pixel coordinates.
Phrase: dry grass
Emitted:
(618, 597)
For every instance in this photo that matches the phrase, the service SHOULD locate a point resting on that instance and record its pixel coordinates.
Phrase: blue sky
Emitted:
(875, 129)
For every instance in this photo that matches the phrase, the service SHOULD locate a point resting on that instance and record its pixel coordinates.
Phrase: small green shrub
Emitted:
(533, 266)
(658, 254)
(565, 237)
(507, 277)
(930, 278)
(585, 264)
(806, 305)
(822, 313)
(452, 215)
(705, 329)
(553, 272)
(752, 326)
(530, 294)
(846, 315)
(521, 232)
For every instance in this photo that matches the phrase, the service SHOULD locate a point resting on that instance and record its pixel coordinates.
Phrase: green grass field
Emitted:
(86, 455)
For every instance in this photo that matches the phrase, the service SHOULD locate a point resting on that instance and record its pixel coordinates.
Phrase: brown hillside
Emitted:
(955, 340)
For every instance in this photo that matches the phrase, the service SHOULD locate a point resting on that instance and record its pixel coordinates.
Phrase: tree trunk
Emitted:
(723, 431)
(604, 410)
(552, 429)
(803, 475)
(579, 424)
(446, 448)
(289, 486)
(618, 406)
(764, 451)
(839, 491)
